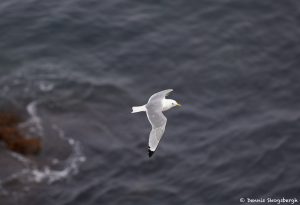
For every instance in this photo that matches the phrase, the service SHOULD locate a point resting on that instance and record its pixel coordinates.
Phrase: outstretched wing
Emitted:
(156, 118)
(160, 95)
(158, 122)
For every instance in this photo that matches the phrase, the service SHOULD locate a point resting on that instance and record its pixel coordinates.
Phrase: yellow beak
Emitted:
(178, 104)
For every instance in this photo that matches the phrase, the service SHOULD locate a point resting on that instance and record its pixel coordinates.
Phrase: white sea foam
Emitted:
(46, 86)
(71, 166)
(34, 123)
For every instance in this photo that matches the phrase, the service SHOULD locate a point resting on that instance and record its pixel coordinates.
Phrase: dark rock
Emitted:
(14, 139)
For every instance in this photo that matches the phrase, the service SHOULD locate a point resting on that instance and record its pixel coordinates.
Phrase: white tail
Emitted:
(138, 109)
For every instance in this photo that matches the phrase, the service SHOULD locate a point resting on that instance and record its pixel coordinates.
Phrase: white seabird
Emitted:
(157, 103)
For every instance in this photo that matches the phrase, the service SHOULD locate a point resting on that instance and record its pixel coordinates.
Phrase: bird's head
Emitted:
(168, 104)
(174, 103)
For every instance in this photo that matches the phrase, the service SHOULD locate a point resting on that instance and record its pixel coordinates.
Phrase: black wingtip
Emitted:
(150, 152)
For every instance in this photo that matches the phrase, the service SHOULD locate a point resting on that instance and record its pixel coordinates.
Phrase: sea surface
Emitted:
(73, 69)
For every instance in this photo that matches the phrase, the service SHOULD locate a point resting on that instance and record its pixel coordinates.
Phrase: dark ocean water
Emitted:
(75, 68)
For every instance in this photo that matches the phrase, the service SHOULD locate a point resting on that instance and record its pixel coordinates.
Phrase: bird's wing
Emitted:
(158, 122)
(160, 95)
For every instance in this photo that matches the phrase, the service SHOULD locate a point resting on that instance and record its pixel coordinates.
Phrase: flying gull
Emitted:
(157, 103)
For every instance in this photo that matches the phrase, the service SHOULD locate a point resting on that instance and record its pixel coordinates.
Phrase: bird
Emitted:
(154, 108)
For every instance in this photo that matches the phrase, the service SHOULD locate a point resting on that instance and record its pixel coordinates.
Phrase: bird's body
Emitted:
(157, 103)
(166, 105)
